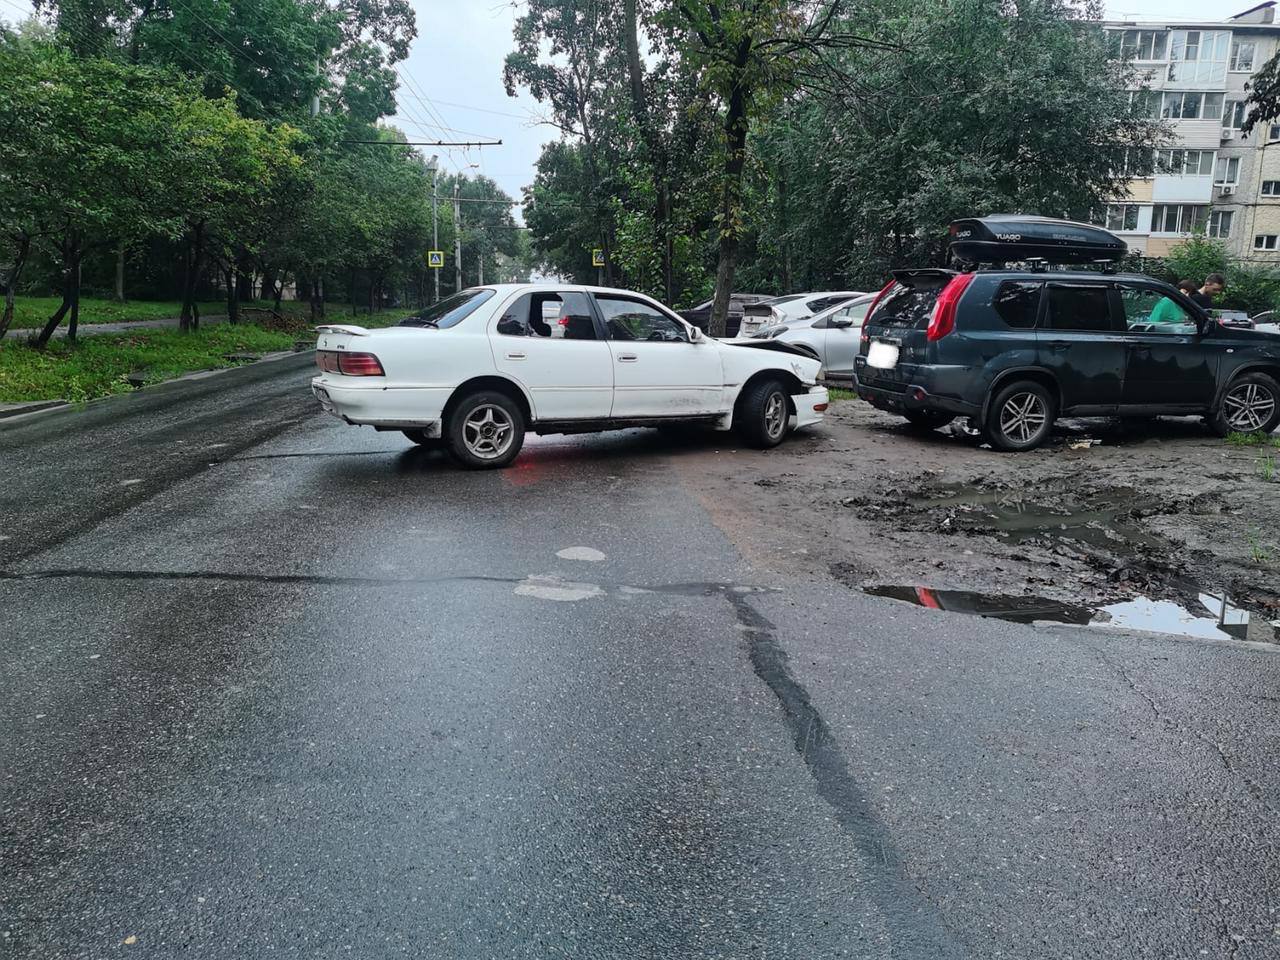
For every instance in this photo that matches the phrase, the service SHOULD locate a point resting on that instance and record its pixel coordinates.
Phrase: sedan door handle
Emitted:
(627, 358)
(515, 356)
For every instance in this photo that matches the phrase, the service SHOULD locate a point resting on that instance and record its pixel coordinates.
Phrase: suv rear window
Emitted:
(907, 306)
(1018, 303)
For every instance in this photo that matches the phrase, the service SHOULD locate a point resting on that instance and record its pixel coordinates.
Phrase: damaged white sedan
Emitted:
(476, 371)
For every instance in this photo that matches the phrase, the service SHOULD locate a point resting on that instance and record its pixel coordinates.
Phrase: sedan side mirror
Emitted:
(696, 335)
(840, 323)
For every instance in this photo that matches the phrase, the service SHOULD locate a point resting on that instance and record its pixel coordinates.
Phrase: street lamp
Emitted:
(434, 166)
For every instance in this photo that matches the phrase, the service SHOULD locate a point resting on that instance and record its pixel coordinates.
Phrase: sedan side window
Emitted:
(627, 319)
(1079, 307)
(1147, 310)
(555, 316)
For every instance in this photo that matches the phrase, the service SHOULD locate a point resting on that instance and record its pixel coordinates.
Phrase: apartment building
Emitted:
(1213, 178)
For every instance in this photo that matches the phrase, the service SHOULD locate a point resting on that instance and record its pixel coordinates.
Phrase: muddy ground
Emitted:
(1161, 509)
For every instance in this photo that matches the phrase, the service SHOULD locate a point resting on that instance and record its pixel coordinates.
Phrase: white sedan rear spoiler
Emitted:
(342, 328)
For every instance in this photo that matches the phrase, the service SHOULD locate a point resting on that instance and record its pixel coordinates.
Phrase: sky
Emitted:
(451, 83)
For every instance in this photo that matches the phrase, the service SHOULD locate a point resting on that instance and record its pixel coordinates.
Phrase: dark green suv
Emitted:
(1014, 349)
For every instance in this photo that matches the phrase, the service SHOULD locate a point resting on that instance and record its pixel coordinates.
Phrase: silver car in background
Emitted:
(793, 306)
(831, 336)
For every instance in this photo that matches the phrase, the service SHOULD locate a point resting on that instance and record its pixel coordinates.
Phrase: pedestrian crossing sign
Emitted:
(597, 257)
(435, 258)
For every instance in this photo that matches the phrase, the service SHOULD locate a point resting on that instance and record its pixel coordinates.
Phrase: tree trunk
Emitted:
(10, 289)
(735, 129)
(317, 301)
(189, 319)
(119, 292)
(70, 272)
(280, 289)
(232, 277)
(73, 322)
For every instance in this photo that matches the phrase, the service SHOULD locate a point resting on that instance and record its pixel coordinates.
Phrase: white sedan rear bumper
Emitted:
(377, 405)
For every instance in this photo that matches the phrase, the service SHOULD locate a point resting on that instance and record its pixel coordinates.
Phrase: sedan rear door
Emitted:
(549, 343)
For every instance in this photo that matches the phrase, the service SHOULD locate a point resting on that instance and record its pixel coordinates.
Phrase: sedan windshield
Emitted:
(449, 311)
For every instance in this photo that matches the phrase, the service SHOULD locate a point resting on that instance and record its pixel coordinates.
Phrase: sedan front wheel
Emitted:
(763, 414)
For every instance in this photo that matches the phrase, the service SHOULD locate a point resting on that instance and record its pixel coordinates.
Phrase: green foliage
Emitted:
(32, 312)
(100, 365)
(1252, 288)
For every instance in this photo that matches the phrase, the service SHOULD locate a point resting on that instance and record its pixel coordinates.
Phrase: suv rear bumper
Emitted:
(915, 391)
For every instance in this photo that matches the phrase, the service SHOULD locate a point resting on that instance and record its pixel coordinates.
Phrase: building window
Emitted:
(1146, 45)
(1227, 172)
(1273, 133)
(1191, 106)
(1242, 56)
(1265, 241)
(1271, 188)
(1198, 56)
(1122, 217)
(1147, 102)
(1178, 217)
(1220, 223)
(1233, 112)
(1185, 163)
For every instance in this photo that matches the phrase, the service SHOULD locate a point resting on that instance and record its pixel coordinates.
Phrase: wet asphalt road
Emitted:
(271, 686)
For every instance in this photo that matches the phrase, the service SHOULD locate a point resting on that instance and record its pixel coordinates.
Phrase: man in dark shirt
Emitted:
(1214, 284)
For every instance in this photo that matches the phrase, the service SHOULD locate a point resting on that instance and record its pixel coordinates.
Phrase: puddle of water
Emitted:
(1105, 524)
(1217, 617)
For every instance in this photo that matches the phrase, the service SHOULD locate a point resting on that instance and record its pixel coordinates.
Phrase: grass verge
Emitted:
(1255, 439)
(101, 365)
(31, 313)
(840, 393)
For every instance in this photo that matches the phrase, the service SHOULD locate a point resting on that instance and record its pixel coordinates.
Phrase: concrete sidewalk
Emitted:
(93, 329)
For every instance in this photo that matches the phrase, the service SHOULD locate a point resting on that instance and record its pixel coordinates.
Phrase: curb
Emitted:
(20, 409)
(36, 408)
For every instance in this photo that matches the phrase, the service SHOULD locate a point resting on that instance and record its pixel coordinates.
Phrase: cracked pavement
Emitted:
(274, 686)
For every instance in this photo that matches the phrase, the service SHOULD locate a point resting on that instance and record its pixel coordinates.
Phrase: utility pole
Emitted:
(435, 220)
(480, 261)
(457, 239)
(315, 97)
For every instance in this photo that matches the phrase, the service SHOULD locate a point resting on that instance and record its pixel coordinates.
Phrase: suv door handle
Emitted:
(627, 358)
(1059, 344)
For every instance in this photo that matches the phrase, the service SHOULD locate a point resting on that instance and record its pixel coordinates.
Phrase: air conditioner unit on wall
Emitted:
(1226, 191)
(1228, 133)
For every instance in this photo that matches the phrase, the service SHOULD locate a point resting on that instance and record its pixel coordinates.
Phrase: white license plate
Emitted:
(882, 356)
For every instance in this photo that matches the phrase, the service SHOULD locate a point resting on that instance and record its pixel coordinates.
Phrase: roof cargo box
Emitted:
(1002, 238)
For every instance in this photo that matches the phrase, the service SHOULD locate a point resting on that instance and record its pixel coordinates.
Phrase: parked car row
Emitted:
(1010, 348)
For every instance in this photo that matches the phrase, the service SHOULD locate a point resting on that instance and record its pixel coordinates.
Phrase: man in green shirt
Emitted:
(1168, 311)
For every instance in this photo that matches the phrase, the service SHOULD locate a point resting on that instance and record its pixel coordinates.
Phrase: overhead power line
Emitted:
(426, 143)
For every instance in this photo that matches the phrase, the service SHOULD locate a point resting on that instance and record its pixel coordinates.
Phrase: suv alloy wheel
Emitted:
(1251, 404)
(1020, 416)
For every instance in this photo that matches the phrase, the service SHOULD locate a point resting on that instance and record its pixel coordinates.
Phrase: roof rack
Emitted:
(1005, 238)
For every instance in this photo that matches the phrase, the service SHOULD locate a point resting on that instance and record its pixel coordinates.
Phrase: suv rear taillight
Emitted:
(943, 320)
(349, 364)
(872, 309)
